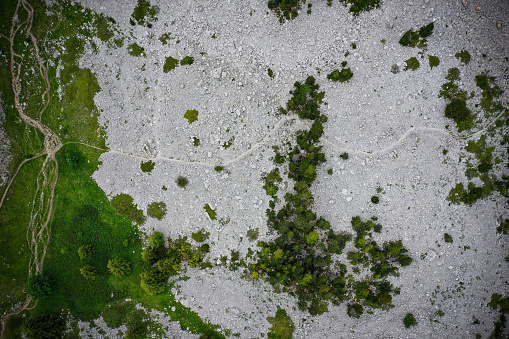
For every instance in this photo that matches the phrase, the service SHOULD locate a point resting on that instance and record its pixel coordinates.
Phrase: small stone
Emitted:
(344, 191)
(478, 8)
(348, 199)
(499, 24)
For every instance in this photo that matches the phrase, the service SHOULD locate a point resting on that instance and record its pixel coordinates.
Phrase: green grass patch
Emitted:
(282, 325)
(191, 115)
(165, 38)
(136, 50)
(458, 111)
(210, 212)
(124, 204)
(187, 61)
(409, 320)
(417, 38)
(182, 181)
(200, 236)
(144, 14)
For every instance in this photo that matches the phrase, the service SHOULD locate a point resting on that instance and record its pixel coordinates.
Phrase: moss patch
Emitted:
(463, 56)
(136, 50)
(170, 64)
(434, 61)
(412, 64)
(210, 212)
(418, 38)
(144, 14)
(187, 61)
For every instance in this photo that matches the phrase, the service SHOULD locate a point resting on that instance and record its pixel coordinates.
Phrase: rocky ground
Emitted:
(391, 124)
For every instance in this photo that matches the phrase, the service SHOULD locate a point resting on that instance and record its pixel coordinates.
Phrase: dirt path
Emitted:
(38, 232)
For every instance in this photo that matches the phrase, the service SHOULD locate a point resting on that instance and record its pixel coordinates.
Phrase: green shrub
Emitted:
(124, 204)
(156, 240)
(147, 166)
(282, 325)
(434, 61)
(447, 238)
(153, 281)
(191, 115)
(210, 212)
(355, 310)
(44, 326)
(464, 56)
(89, 272)
(344, 75)
(136, 331)
(136, 50)
(358, 6)
(170, 64)
(85, 252)
(182, 181)
(119, 266)
(149, 255)
(40, 286)
(187, 61)
(457, 110)
(412, 64)
(344, 156)
(156, 210)
(252, 234)
(375, 199)
(270, 73)
(143, 13)
(409, 320)
(218, 168)
(200, 236)
(413, 39)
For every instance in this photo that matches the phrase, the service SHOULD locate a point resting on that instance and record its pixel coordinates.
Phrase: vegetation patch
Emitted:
(182, 181)
(210, 212)
(409, 320)
(434, 61)
(458, 111)
(157, 210)
(417, 38)
(463, 56)
(144, 14)
(136, 50)
(344, 75)
(147, 166)
(218, 168)
(102, 26)
(124, 204)
(200, 236)
(359, 6)
(165, 38)
(490, 92)
(282, 325)
(191, 115)
(40, 286)
(187, 61)
(170, 64)
(412, 64)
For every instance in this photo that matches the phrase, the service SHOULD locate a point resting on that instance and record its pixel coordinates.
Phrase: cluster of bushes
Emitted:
(300, 257)
(502, 304)
(116, 266)
(490, 92)
(456, 109)
(344, 75)
(417, 38)
(171, 63)
(164, 259)
(144, 14)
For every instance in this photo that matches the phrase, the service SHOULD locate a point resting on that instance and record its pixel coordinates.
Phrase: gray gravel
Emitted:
(392, 125)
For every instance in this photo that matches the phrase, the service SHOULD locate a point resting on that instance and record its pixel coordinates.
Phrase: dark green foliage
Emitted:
(85, 252)
(375, 199)
(124, 204)
(358, 6)
(196, 142)
(191, 115)
(450, 89)
(355, 310)
(137, 330)
(44, 326)
(218, 168)
(464, 56)
(490, 92)
(153, 281)
(412, 64)
(136, 50)
(458, 111)
(182, 181)
(40, 286)
(200, 236)
(409, 320)
(170, 64)
(271, 181)
(447, 238)
(119, 266)
(285, 9)
(344, 75)
(187, 61)
(143, 13)
(270, 73)
(306, 99)
(156, 210)
(344, 156)
(413, 39)
(147, 166)
(252, 234)
(503, 227)
(434, 61)
(74, 157)
(329, 171)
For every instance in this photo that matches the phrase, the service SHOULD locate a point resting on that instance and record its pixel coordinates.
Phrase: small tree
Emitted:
(409, 320)
(149, 255)
(89, 272)
(85, 252)
(153, 281)
(46, 326)
(156, 240)
(119, 266)
(40, 286)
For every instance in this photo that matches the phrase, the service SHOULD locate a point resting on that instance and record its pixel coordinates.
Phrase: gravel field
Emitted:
(391, 124)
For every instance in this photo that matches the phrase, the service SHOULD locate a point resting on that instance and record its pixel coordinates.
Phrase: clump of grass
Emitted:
(434, 61)
(329, 171)
(210, 212)
(182, 181)
(147, 166)
(103, 30)
(464, 56)
(191, 115)
(187, 61)
(196, 142)
(409, 320)
(170, 64)
(447, 238)
(359, 6)
(164, 38)
(144, 14)
(200, 236)
(124, 204)
(157, 210)
(412, 64)
(344, 75)
(136, 50)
